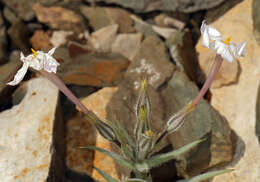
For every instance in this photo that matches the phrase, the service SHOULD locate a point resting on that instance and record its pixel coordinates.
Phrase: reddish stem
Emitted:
(212, 74)
(64, 89)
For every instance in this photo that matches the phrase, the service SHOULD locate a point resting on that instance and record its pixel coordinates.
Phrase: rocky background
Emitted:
(104, 48)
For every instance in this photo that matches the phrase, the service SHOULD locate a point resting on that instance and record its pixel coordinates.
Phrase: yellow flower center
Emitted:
(149, 133)
(227, 41)
(34, 53)
(144, 85)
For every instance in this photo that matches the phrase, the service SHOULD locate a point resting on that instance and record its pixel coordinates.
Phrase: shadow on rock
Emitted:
(257, 122)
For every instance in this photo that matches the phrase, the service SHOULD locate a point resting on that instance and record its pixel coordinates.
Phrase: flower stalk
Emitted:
(212, 75)
(64, 89)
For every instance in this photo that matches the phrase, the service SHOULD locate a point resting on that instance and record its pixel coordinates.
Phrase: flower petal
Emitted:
(20, 74)
(241, 51)
(225, 53)
(52, 51)
(50, 64)
(22, 58)
(213, 33)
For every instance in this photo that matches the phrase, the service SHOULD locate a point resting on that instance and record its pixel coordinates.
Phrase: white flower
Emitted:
(226, 48)
(38, 61)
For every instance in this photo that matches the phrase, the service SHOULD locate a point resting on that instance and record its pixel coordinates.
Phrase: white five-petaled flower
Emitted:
(38, 61)
(226, 48)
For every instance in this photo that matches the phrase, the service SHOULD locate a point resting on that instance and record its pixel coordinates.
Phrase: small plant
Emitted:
(137, 154)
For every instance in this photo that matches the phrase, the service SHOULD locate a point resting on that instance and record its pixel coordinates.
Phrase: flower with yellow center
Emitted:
(226, 48)
(38, 60)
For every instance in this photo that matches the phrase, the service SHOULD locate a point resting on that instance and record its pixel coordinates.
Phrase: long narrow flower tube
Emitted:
(64, 89)
(212, 74)
(226, 50)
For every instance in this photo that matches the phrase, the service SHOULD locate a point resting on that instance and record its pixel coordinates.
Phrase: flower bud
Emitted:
(143, 110)
(177, 120)
(104, 129)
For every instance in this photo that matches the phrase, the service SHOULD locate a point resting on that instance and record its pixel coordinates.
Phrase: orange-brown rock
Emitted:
(41, 40)
(80, 132)
(94, 69)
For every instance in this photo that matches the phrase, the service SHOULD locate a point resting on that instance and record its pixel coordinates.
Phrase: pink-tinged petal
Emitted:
(50, 64)
(19, 75)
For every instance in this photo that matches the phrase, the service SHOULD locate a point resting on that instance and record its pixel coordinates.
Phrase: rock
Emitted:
(22, 8)
(19, 35)
(152, 60)
(163, 20)
(182, 51)
(97, 103)
(143, 27)
(96, 69)
(32, 135)
(59, 18)
(7, 72)
(3, 41)
(59, 38)
(215, 13)
(203, 122)
(256, 19)
(10, 15)
(238, 102)
(79, 133)
(127, 45)
(100, 17)
(163, 32)
(41, 40)
(186, 6)
(103, 38)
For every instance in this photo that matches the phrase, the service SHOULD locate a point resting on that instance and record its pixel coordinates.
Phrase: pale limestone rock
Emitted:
(59, 37)
(127, 45)
(103, 38)
(237, 102)
(31, 135)
(162, 31)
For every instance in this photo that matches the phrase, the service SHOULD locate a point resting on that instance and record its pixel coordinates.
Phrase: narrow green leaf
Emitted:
(162, 158)
(116, 157)
(128, 153)
(206, 176)
(121, 133)
(105, 175)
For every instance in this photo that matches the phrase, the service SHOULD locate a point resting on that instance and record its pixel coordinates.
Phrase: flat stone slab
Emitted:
(31, 135)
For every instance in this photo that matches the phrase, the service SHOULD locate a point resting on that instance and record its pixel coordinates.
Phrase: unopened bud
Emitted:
(143, 110)
(104, 129)
(146, 144)
(177, 120)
